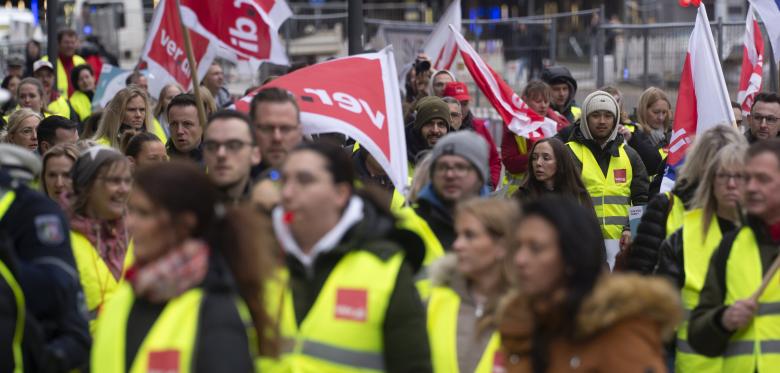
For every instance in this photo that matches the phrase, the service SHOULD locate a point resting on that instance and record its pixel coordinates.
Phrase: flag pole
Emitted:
(193, 67)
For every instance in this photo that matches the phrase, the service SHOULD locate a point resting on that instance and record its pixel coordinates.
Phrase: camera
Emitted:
(421, 66)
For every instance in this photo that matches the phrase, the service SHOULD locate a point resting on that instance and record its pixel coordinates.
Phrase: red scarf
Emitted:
(167, 277)
(108, 237)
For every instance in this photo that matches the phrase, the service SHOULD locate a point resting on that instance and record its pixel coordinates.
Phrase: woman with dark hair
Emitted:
(144, 149)
(100, 242)
(567, 312)
(194, 296)
(348, 283)
(83, 79)
(553, 171)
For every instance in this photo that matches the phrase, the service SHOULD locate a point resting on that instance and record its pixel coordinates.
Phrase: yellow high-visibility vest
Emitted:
(697, 251)
(408, 219)
(62, 75)
(611, 194)
(443, 334)
(343, 331)
(674, 220)
(81, 104)
(755, 348)
(96, 279)
(171, 340)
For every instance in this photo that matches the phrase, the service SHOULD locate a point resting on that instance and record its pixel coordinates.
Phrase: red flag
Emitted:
(518, 117)
(164, 53)
(356, 96)
(244, 29)
(751, 77)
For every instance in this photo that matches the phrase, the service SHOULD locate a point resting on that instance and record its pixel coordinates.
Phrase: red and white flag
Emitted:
(356, 96)
(769, 11)
(243, 29)
(440, 46)
(702, 101)
(517, 116)
(752, 64)
(164, 53)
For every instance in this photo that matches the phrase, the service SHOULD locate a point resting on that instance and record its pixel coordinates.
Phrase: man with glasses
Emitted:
(229, 152)
(276, 120)
(764, 117)
(459, 171)
(186, 129)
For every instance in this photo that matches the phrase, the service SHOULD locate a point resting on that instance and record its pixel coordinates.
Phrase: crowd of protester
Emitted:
(136, 237)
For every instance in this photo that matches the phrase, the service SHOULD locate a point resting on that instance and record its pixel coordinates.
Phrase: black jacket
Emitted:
(405, 338)
(195, 155)
(222, 343)
(671, 262)
(639, 181)
(560, 74)
(415, 144)
(651, 232)
(438, 216)
(35, 231)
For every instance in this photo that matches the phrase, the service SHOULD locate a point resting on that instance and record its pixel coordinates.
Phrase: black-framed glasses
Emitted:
(231, 146)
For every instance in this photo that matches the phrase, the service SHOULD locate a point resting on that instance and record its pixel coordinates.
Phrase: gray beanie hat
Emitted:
(89, 163)
(22, 164)
(468, 145)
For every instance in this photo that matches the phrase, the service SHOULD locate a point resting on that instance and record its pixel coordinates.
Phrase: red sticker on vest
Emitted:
(620, 175)
(498, 363)
(166, 361)
(351, 304)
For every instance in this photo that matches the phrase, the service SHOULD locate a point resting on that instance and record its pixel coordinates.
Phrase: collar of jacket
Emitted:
(611, 146)
(351, 216)
(194, 154)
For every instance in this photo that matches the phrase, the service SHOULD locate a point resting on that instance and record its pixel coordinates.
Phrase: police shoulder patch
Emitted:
(49, 229)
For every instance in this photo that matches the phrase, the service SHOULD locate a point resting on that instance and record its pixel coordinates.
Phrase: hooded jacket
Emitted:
(405, 339)
(480, 126)
(619, 327)
(557, 74)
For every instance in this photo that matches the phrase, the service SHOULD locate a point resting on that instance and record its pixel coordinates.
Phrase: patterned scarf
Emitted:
(108, 237)
(169, 276)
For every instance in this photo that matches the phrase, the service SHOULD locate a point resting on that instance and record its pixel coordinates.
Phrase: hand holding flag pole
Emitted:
(193, 67)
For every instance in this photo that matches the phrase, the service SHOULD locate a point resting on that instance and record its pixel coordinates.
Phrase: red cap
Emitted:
(457, 90)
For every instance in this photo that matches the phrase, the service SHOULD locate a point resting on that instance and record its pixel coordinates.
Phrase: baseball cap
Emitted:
(457, 90)
(40, 64)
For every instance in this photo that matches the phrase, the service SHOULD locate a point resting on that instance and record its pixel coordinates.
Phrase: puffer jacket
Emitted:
(651, 232)
(620, 327)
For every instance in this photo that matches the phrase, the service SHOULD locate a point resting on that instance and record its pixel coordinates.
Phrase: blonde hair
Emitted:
(160, 108)
(498, 216)
(15, 122)
(115, 111)
(60, 150)
(110, 167)
(648, 98)
(730, 155)
(703, 150)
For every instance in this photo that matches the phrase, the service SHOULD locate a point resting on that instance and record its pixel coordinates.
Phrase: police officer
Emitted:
(612, 172)
(36, 230)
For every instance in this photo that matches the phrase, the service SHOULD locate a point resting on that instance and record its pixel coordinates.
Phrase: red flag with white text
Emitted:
(356, 96)
(517, 116)
(164, 52)
(243, 29)
(751, 76)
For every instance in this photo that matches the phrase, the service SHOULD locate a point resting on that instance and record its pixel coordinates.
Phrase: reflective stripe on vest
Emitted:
(675, 216)
(343, 330)
(16, 344)
(755, 348)
(697, 251)
(407, 218)
(443, 310)
(96, 279)
(611, 193)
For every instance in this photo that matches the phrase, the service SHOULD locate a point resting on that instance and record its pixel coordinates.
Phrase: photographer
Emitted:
(418, 85)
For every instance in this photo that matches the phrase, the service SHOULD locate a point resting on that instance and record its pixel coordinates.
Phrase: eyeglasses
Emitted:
(457, 169)
(455, 114)
(771, 120)
(117, 181)
(231, 146)
(725, 177)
